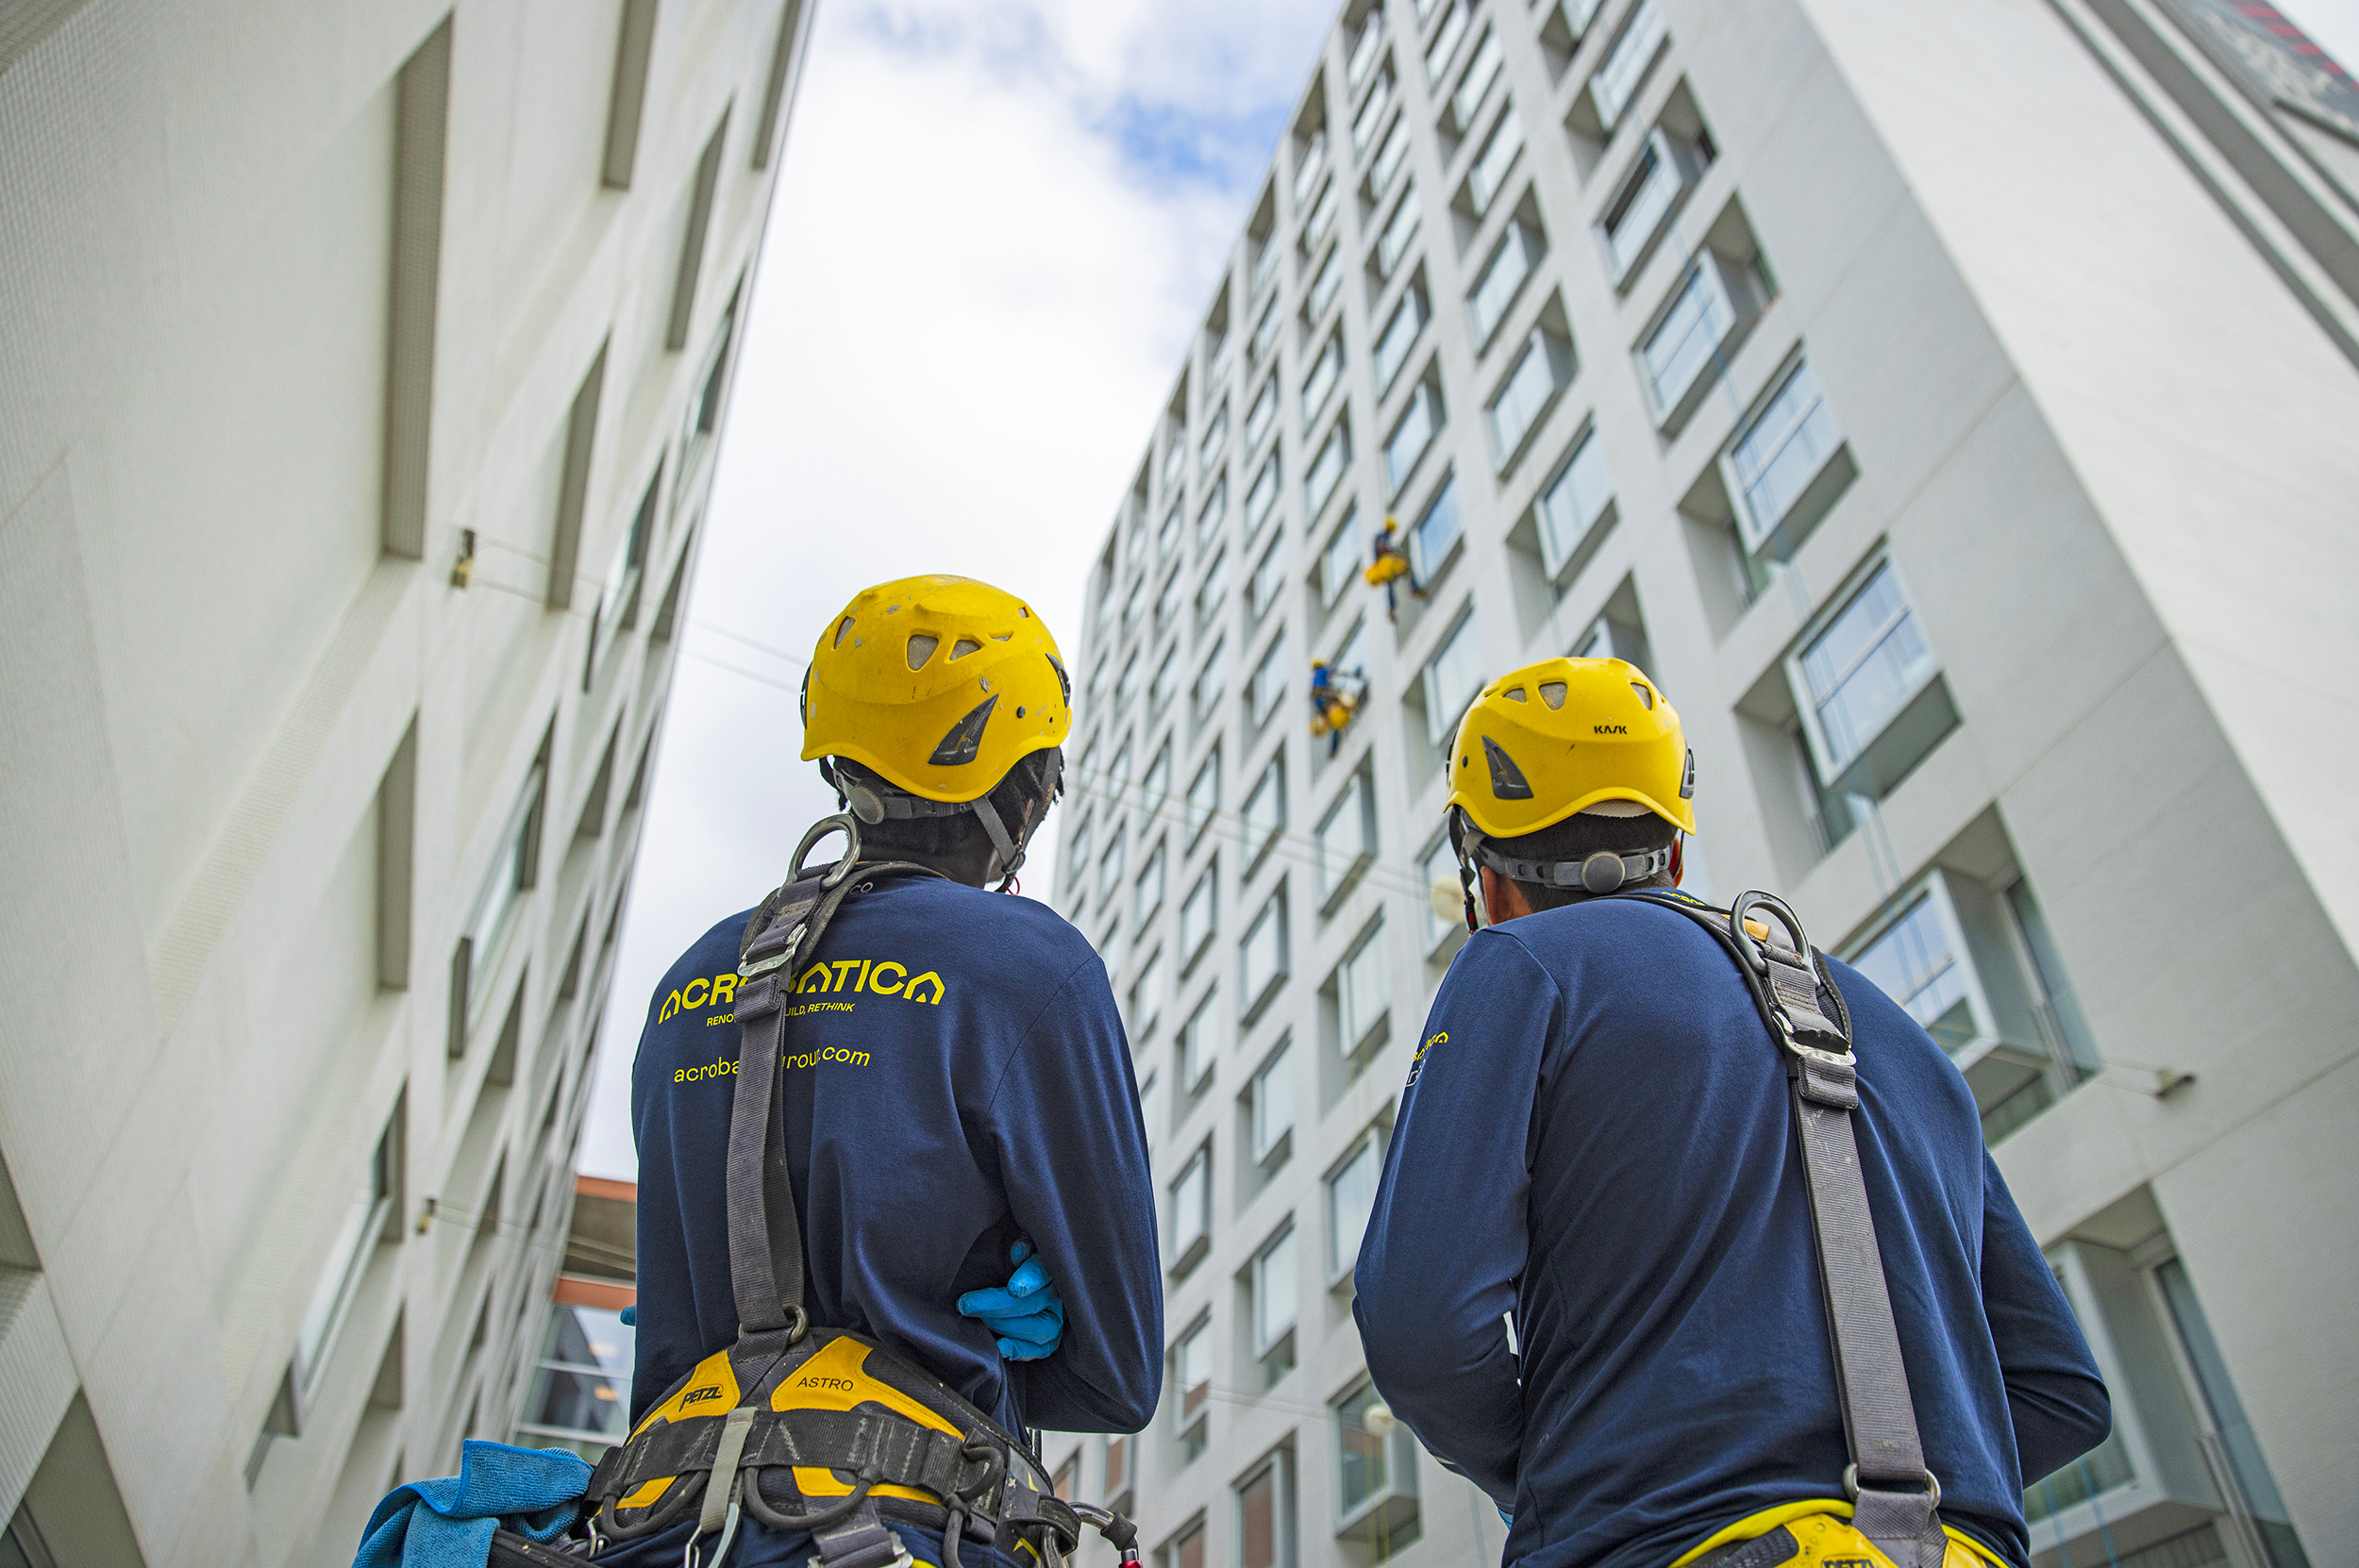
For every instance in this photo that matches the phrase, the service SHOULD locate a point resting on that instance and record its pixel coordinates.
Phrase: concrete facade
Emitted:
(1950, 406)
(364, 367)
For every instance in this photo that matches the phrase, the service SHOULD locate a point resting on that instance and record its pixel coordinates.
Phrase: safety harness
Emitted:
(1896, 1500)
(803, 1427)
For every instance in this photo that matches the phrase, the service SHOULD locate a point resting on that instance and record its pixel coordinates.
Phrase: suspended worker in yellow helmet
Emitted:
(1591, 1280)
(949, 1096)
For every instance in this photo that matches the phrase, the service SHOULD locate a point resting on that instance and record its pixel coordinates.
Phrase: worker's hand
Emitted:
(1026, 1314)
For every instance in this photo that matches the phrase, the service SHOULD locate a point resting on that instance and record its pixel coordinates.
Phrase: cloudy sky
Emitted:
(997, 224)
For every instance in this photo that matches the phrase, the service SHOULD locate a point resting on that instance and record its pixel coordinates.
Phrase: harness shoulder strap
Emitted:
(1787, 977)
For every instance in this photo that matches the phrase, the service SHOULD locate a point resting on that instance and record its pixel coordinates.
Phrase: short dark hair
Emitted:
(1021, 795)
(1580, 834)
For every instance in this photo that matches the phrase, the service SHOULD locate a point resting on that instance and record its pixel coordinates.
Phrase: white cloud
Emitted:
(974, 291)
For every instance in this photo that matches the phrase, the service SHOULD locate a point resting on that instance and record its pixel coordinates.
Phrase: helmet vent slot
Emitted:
(921, 648)
(1516, 693)
(1552, 693)
(842, 626)
(964, 647)
(1645, 692)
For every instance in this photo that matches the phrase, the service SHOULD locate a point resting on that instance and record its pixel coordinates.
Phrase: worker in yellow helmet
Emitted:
(857, 1106)
(1634, 1127)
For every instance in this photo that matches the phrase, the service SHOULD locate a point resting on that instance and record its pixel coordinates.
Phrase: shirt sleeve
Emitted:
(1447, 1240)
(2055, 1396)
(1072, 1151)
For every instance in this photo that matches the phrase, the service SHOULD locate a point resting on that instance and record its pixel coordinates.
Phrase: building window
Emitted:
(1150, 886)
(1362, 994)
(1262, 958)
(1372, 111)
(1214, 592)
(1574, 504)
(1192, 1369)
(1437, 533)
(1210, 682)
(1414, 433)
(2229, 1441)
(1265, 336)
(1273, 1104)
(1216, 434)
(1400, 335)
(1325, 373)
(1389, 158)
(497, 903)
(1363, 46)
(1276, 1298)
(1269, 680)
(1635, 215)
(1118, 1449)
(1148, 994)
(1261, 590)
(1444, 896)
(580, 1396)
(1308, 164)
(1322, 217)
(1133, 686)
(367, 1214)
(1392, 244)
(618, 596)
(1327, 469)
(1265, 811)
(1175, 455)
(1339, 564)
(1323, 286)
(1265, 1502)
(1192, 1209)
(1375, 1481)
(1540, 372)
(1968, 965)
(1860, 676)
(1185, 1549)
(1155, 788)
(1350, 1189)
(1496, 159)
(1511, 262)
(1203, 795)
(1118, 772)
(1775, 455)
(1167, 680)
(1199, 1044)
(1446, 40)
(1681, 348)
(1168, 604)
(1476, 84)
(1197, 915)
(1259, 417)
(1109, 864)
(704, 410)
(1261, 498)
(1346, 840)
(1076, 855)
(1453, 677)
(1618, 79)
(1167, 536)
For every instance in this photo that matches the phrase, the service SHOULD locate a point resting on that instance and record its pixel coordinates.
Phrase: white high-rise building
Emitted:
(1955, 406)
(362, 369)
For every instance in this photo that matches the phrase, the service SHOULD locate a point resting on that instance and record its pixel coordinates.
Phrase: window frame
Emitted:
(1558, 551)
(1253, 1000)
(1440, 730)
(1556, 358)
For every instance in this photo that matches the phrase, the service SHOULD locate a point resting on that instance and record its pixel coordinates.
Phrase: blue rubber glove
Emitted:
(1026, 1314)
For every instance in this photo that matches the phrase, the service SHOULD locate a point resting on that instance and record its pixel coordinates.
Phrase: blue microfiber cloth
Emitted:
(447, 1522)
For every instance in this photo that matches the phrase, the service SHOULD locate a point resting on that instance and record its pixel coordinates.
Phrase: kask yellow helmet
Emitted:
(938, 685)
(1566, 734)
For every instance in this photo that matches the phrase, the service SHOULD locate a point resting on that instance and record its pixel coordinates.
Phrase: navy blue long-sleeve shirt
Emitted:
(1597, 1136)
(957, 1077)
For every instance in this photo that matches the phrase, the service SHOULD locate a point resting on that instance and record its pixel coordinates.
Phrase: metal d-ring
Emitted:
(841, 821)
(1747, 944)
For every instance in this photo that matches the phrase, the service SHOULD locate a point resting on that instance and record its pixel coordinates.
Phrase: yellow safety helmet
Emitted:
(1566, 734)
(938, 685)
